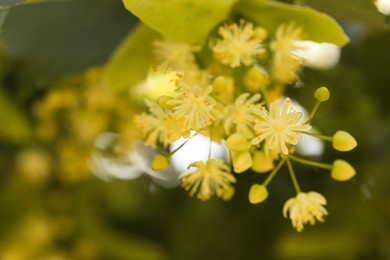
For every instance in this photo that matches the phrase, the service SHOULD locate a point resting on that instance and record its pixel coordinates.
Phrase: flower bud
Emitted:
(237, 143)
(322, 94)
(261, 162)
(258, 193)
(160, 162)
(343, 141)
(342, 171)
(220, 84)
(260, 33)
(227, 193)
(256, 80)
(164, 102)
(242, 161)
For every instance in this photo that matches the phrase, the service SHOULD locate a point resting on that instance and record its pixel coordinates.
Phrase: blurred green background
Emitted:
(48, 213)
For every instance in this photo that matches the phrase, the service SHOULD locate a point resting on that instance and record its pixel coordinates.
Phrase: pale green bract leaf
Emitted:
(317, 26)
(181, 20)
(131, 60)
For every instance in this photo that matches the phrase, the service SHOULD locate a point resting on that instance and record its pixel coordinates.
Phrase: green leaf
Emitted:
(14, 126)
(181, 20)
(52, 39)
(10, 3)
(361, 11)
(317, 26)
(3, 15)
(131, 60)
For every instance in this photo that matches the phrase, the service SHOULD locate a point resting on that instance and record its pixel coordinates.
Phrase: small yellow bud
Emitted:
(322, 94)
(164, 102)
(343, 141)
(220, 84)
(261, 162)
(256, 80)
(342, 171)
(160, 162)
(242, 161)
(227, 193)
(260, 33)
(237, 143)
(258, 193)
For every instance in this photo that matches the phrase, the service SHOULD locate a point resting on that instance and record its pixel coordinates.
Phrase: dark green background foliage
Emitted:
(139, 220)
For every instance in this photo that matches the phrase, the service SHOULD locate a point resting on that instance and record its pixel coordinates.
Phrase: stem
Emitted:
(322, 137)
(311, 163)
(313, 112)
(273, 173)
(178, 148)
(293, 177)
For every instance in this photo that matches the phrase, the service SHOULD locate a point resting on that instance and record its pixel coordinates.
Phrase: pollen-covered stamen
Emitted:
(238, 44)
(285, 64)
(209, 179)
(239, 116)
(195, 106)
(305, 208)
(278, 128)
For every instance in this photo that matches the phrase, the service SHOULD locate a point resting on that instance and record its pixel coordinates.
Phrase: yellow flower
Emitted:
(160, 126)
(284, 64)
(195, 106)
(175, 55)
(238, 44)
(212, 178)
(278, 128)
(239, 117)
(304, 208)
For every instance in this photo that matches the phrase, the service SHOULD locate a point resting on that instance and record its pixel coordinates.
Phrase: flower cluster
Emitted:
(235, 97)
(68, 119)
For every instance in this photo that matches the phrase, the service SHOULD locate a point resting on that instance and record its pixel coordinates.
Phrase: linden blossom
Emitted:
(278, 128)
(195, 106)
(285, 65)
(305, 208)
(239, 116)
(159, 126)
(219, 98)
(210, 178)
(238, 44)
(175, 55)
